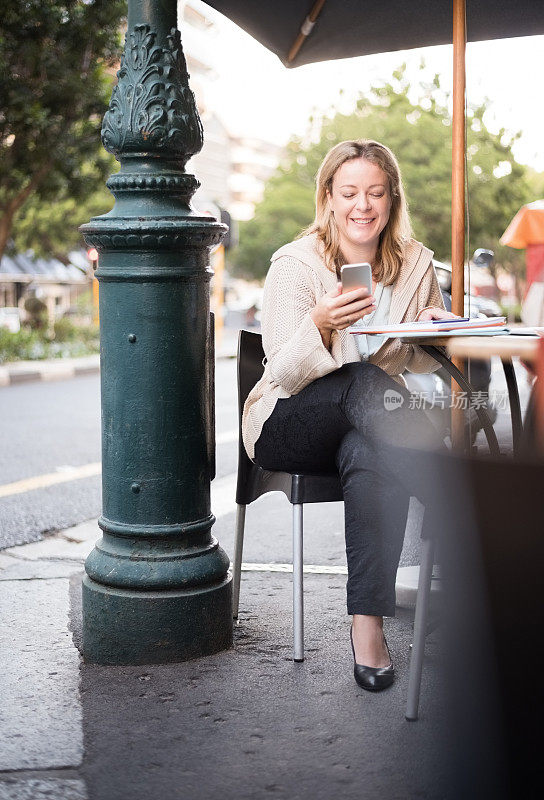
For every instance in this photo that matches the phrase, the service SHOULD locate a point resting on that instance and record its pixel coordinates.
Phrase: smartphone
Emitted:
(356, 276)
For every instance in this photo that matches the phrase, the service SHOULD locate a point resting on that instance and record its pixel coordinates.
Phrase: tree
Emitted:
(55, 83)
(50, 228)
(536, 184)
(419, 133)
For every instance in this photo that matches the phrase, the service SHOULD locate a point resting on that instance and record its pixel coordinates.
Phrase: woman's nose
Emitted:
(363, 202)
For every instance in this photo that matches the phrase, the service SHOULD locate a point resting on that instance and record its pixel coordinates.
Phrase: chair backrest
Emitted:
(250, 365)
(250, 371)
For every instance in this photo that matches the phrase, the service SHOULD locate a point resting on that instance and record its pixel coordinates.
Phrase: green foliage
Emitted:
(65, 331)
(286, 209)
(32, 344)
(50, 228)
(55, 83)
(418, 131)
(536, 184)
(26, 344)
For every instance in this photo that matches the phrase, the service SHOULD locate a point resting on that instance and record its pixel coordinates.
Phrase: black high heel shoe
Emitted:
(373, 679)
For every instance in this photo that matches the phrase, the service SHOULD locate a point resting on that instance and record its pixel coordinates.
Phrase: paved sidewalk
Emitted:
(247, 723)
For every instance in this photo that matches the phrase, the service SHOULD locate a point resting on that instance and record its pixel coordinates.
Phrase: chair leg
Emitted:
(237, 563)
(420, 629)
(298, 600)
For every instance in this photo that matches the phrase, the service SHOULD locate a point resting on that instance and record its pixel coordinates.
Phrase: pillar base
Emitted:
(127, 627)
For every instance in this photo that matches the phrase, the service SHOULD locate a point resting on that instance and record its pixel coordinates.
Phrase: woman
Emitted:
(320, 402)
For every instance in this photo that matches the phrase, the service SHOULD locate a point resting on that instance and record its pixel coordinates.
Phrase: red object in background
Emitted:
(535, 263)
(92, 254)
(527, 231)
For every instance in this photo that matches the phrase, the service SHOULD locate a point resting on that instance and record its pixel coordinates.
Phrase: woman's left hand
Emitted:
(436, 313)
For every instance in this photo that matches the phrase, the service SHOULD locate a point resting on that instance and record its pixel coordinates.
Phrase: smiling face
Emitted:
(361, 202)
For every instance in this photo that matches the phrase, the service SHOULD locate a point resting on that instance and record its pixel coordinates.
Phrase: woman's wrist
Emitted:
(419, 313)
(325, 333)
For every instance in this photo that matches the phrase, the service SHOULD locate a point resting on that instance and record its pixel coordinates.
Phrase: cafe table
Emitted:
(507, 346)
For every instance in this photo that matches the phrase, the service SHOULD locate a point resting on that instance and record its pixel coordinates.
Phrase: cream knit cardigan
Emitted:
(295, 353)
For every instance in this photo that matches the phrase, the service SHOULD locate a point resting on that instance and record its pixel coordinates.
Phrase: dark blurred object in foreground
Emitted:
(491, 547)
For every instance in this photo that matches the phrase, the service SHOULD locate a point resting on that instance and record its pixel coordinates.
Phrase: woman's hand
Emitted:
(336, 311)
(435, 313)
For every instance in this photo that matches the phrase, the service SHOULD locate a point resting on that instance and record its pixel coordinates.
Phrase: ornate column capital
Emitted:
(152, 109)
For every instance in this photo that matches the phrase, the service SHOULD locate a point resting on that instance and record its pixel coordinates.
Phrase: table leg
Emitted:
(458, 376)
(515, 406)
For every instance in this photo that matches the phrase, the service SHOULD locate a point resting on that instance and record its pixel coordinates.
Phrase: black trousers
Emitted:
(358, 419)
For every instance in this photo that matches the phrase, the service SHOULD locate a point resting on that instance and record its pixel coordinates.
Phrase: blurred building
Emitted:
(212, 165)
(56, 284)
(232, 170)
(254, 161)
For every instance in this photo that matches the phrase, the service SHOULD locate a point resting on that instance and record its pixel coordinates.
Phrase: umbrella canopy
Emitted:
(527, 227)
(347, 28)
(527, 230)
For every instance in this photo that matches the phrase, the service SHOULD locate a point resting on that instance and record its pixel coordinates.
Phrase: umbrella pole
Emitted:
(458, 193)
(458, 160)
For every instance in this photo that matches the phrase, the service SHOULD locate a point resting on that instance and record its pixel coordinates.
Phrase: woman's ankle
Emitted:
(367, 622)
(369, 641)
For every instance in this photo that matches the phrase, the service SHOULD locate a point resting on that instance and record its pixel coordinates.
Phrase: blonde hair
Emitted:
(395, 235)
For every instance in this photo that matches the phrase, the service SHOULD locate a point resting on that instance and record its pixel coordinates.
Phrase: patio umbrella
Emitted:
(527, 231)
(347, 28)
(303, 32)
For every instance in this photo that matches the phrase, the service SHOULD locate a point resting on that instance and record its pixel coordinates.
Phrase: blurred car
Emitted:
(475, 306)
(10, 319)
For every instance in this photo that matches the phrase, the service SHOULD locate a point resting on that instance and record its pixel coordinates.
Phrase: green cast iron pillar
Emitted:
(157, 586)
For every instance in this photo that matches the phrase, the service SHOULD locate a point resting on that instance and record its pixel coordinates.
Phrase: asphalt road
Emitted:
(51, 428)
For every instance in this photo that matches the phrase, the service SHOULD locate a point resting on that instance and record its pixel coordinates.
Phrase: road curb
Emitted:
(60, 369)
(53, 370)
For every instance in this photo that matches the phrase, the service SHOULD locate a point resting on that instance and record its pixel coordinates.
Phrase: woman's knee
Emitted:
(359, 372)
(365, 382)
(353, 386)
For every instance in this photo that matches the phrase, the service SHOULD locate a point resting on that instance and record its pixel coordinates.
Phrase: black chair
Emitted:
(253, 481)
